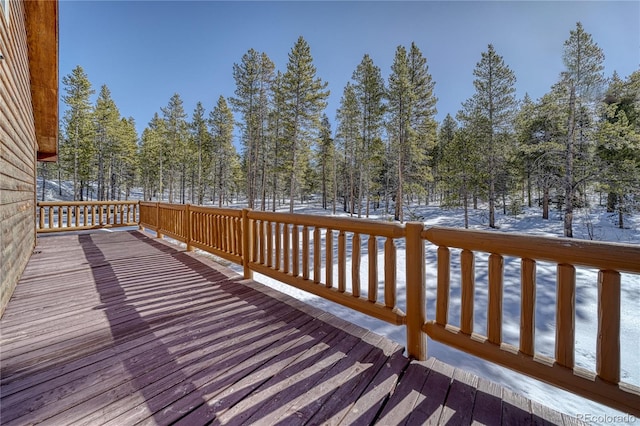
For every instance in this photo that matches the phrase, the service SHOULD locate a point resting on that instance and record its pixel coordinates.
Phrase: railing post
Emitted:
(158, 224)
(416, 303)
(247, 243)
(187, 227)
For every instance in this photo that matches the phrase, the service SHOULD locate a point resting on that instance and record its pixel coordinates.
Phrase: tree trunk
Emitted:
(568, 178)
(545, 203)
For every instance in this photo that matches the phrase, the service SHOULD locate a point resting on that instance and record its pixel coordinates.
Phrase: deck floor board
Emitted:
(121, 328)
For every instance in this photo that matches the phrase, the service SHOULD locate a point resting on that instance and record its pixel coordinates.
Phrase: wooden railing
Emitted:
(602, 385)
(61, 216)
(325, 256)
(313, 253)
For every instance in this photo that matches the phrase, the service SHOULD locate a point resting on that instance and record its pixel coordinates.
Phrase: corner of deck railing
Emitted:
(416, 292)
(247, 243)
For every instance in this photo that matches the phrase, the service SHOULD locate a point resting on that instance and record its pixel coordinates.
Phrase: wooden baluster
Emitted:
(51, 223)
(60, 216)
(278, 246)
(527, 306)
(317, 255)
(467, 269)
(256, 237)
(355, 265)
(41, 217)
(85, 216)
(442, 294)
(77, 213)
(121, 214)
(389, 273)
(565, 315)
(246, 243)
(269, 244)
(608, 350)
(263, 245)
(372, 248)
(329, 258)
(295, 250)
(494, 316)
(305, 252)
(285, 248)
(342, 262)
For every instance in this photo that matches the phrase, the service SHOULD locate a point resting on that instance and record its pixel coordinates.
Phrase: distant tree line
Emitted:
(387, 153)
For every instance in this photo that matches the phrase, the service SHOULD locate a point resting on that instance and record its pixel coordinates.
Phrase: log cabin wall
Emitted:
(28, 125)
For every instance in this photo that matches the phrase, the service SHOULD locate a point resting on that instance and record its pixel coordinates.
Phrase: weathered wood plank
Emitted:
(121, 328)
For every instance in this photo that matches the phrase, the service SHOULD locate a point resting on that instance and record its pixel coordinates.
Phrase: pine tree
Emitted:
(441, 167)
(491, 111)
(202, 148)
(106, 122)
(304, 100)
(221, 125)
(127, 162)
(618, 147)
(423, 123)
(411, 124)
(76, 150)
(369, 89)
(583, 77)
(349, 140)
(327, 162)
(175, 145)
(400, 96)
(254, 77)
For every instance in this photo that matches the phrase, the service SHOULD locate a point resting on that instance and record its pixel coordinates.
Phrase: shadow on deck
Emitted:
(120, 328)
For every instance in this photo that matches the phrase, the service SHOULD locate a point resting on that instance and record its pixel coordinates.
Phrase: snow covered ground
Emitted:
(594, 223)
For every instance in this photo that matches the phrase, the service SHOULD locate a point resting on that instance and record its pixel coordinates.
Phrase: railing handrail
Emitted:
(602, 255)
(83, 203)
(357, 225)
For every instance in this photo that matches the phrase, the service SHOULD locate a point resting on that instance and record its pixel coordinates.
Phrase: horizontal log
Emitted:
(83, 203)
(621, 397)
(604, 256)
(360, 226)
(377, 310)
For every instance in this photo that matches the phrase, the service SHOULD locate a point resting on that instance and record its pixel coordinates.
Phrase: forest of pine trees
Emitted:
(579, 141)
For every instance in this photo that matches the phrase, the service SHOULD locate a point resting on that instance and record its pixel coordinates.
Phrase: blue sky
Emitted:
(146, 51)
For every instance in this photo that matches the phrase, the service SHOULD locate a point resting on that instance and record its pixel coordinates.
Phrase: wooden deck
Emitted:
(121, 328)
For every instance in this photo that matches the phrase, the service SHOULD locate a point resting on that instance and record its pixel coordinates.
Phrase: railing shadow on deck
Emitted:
(220, 350)
(299, 250)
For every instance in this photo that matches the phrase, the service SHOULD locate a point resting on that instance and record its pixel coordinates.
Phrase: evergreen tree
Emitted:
(491, 111)
(202, 147)
(619, 144)
(583, 77)
(442, 165)
(400, 98)
(423, 123)
(76, 149)
(304, 100)
(327, 163)
(254, 77)
(175, 145)
(221, 125)
(411, 125)
(369, 90)
(349, 138)
(127, 161)
(107, 127)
